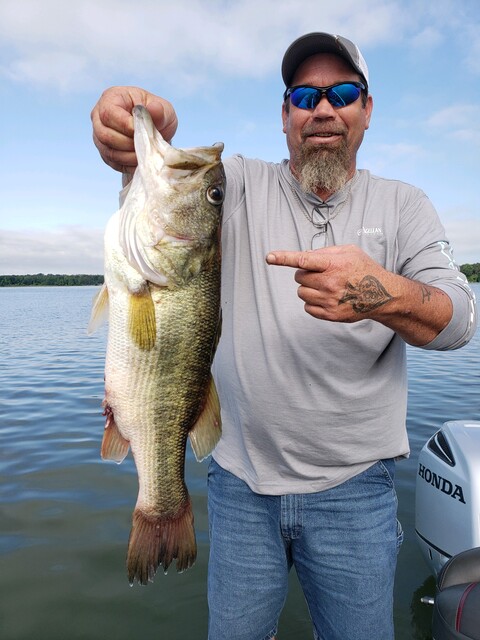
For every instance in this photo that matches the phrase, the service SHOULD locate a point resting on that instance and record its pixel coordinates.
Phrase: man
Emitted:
(313, 396)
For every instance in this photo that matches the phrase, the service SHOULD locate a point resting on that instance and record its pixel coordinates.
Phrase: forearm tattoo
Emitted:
(367, 295)
(426, 294)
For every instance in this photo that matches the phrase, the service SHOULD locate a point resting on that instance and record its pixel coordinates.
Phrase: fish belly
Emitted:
(153, 398)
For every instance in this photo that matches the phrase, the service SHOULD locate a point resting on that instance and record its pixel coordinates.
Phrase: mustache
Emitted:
(310, 130)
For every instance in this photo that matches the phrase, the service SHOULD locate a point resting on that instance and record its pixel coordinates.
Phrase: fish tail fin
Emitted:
(114, 445)
(207, 430)
(99, 310)
(157, 540)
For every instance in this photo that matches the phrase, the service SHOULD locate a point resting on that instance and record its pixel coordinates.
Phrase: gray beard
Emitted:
(321, 169)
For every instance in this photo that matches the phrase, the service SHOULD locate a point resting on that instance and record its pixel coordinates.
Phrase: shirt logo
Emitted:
(447, 252)
(370, 231)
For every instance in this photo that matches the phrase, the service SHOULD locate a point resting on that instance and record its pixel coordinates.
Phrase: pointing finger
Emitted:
(306, 260)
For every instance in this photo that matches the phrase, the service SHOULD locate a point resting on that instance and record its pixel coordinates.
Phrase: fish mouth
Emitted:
(178, 237)
(174, 239)
(171, 234)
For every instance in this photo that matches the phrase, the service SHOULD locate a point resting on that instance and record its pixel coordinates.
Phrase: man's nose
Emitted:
(324, 109)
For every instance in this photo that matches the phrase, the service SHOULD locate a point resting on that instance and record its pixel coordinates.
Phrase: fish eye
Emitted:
(215, 194)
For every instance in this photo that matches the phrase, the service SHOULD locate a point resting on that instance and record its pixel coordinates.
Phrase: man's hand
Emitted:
(343, 284)
(113, 124)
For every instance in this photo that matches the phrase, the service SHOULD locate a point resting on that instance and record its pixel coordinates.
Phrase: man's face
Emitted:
(325, 132)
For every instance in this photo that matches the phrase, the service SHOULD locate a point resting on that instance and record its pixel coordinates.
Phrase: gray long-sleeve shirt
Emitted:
(307, 404)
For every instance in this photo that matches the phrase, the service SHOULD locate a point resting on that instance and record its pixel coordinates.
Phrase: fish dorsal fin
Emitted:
(207, 430)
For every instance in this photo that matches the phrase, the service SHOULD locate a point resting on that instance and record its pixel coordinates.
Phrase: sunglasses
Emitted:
(338, 95)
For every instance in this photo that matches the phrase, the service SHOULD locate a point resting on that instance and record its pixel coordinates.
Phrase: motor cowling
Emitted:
(447, 497)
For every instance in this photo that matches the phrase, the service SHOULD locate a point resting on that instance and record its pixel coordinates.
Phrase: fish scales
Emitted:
(162, 287)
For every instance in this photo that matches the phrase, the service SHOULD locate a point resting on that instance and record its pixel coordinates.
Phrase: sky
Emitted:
(218, 62)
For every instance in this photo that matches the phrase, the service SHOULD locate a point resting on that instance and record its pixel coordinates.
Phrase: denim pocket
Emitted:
(388, 467)
(399, 535)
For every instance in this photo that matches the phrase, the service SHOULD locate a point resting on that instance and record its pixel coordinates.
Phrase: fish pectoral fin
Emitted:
(141, 320)
(99, 310)
(207, 430)
(114, 445)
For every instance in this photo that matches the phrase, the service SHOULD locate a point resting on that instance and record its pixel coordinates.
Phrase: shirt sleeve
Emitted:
(235, 185)
(425, 255)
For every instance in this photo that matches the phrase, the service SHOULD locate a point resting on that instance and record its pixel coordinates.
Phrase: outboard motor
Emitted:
(447, 496)
(457, 603)
(447, 524)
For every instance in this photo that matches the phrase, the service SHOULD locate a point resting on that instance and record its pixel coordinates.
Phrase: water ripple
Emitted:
(65, 514)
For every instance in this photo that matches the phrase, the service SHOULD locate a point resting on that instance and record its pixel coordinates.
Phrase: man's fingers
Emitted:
(286, 258)
(113, 124)
(124, 161)
(113, 139)
(163, 115)
(306, 260)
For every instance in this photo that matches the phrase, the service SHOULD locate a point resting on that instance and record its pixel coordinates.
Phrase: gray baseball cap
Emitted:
(319, 42)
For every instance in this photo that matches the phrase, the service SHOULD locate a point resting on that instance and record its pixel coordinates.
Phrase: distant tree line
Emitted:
(50, 280)
(472, 271)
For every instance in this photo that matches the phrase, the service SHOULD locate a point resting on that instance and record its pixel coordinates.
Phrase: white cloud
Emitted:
(390, 159)
(463, 233)
(456, 115)
(428, 38)
(473, 56)
(74, 249)
(50, 68)
(471, 136)
(74, 45)
(77, 45)
(459, 122)
(68, 250)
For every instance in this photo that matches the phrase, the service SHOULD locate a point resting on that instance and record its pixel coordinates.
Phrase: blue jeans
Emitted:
(343, 543)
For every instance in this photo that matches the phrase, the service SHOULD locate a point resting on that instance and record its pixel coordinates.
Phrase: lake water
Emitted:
(65, 514)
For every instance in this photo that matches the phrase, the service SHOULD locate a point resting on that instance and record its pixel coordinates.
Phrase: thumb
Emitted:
(163, 116)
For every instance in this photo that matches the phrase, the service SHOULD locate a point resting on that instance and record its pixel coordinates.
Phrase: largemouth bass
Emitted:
(162, 296)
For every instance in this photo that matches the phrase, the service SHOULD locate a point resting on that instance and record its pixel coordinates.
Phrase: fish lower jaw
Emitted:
(181, 240)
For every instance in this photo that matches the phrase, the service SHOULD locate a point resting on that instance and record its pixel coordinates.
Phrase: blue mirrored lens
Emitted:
(343, 94)
(305, 97)
(339, 95)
